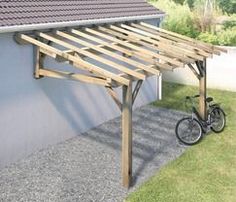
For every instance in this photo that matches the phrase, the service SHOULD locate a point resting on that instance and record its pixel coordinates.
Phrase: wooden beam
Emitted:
(142, 50)
(109, 53)
(191, 67)
(136, 90)
(148, 42)
(202, 90)
(114, 96)
(205, 46)
(127, 136)
(175, 41)
(127, 51)
(39, 59)
(137, 48)
(93, 56)
(168, 42)
(73, 76)
(75, 60)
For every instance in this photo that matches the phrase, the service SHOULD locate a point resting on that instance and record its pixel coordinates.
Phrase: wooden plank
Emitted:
(93, 56)
(109, 53)
(127, 136)
(203, 45)
(181, 45)
(176, 41)
(114, 96)
(162, 42)
(73, 76)
(128, 52)
(150, 43)
(75, 60)
(134, 47)
(146, 51)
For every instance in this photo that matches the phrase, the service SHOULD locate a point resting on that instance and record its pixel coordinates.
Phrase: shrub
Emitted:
(208, 38)
(179, 19)
(227, 37)
(228, 6)
(224, 37)
(231, 22)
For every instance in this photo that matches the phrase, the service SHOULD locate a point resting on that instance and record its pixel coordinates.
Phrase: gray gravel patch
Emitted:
(87, 168)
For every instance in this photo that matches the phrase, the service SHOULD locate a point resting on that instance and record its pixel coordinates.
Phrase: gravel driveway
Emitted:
(87, 168)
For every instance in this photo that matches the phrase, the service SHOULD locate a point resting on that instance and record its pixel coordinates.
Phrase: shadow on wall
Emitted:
(82, 107)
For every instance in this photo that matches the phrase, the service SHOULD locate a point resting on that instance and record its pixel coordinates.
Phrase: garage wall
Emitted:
(37, 113)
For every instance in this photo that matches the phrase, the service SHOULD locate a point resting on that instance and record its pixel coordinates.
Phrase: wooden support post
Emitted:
(127, 136)
(39, 57)
(202, 89)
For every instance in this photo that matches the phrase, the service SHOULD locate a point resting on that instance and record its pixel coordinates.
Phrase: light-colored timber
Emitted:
(121, 54)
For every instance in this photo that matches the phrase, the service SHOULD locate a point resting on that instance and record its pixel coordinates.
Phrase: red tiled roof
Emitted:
(28, 12)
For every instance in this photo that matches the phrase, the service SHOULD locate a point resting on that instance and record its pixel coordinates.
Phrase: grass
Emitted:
(205, 172)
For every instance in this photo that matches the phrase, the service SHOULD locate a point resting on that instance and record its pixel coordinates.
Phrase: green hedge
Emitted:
(181, 19)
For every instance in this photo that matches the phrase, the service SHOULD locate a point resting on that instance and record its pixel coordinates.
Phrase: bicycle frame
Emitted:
(204, 123)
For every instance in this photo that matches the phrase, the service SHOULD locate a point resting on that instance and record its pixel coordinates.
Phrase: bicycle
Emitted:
(190, 130)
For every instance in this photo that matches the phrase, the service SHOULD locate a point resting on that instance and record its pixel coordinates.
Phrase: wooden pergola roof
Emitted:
(153, 50)
(116, 55)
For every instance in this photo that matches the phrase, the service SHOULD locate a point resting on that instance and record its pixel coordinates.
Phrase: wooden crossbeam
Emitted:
(74, 60)
(109, 53)
(137, 48)
(93, 56)
(208, 47)
(118, 48)
(150, 43)
(165, 44)
(175, 41)
(114, 96)
(73, 76)
(194, 71)
(136, 90)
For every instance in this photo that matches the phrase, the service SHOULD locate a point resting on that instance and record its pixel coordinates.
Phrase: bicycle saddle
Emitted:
(209, 99)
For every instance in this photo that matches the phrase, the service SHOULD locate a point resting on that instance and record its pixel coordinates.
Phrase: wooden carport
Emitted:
(139, 50)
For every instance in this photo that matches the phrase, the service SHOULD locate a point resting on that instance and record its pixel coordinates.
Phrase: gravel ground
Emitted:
(87, 168)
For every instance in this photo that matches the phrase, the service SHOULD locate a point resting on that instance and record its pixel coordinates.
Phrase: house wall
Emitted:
(221, 72)
(37, 113)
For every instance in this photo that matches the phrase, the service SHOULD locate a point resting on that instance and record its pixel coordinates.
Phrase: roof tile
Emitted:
(24, 12)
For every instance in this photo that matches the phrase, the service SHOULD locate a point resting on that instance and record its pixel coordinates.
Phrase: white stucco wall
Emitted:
(38, 113)
(221, 71)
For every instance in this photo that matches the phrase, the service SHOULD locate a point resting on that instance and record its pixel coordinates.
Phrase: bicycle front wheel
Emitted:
(189, 131)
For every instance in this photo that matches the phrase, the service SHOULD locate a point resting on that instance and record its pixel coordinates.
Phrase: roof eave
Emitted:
(41, 26)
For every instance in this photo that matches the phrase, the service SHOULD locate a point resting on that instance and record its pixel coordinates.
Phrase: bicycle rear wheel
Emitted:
(189, 131)
(218, 120)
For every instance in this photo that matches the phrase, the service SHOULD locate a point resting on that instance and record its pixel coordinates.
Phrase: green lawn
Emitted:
(206, 171)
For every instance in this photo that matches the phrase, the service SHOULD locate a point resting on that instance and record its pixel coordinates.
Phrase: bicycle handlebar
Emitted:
(190, 97)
